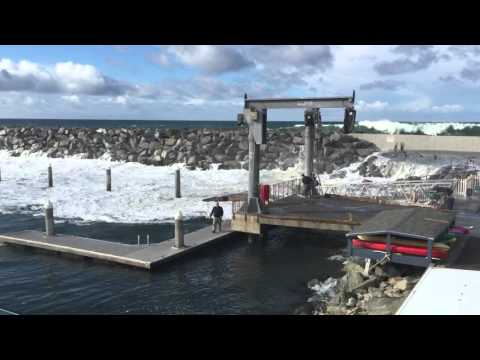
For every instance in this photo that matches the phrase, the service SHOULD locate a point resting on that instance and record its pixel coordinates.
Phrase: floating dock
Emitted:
(141, 256)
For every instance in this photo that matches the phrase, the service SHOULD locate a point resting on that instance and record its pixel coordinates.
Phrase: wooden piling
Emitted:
(50, 176)
(179, 233)
(109, 179)
(49, 223)
(177, 184)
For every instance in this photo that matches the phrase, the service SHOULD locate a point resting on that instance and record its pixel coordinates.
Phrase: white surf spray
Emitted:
(140, 193)
(429, 128)
(145, 194)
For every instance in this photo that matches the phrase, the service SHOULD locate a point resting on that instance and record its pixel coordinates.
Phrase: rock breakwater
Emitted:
(197, 148)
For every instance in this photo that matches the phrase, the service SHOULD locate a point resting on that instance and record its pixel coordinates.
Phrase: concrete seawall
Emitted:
(386, 142)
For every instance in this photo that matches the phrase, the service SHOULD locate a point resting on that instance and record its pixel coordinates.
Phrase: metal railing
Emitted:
(239, 207)
(285, 189)
(416, 192)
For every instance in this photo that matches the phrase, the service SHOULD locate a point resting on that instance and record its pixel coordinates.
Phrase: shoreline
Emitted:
(381, 292)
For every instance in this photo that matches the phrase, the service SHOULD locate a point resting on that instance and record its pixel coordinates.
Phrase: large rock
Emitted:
(401, 285)
(383, 306)
(167, 146)
(354, 280)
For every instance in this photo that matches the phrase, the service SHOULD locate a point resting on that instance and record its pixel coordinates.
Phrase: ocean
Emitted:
(385, 125)
(228, 278)
(233, 277)
(168, 124)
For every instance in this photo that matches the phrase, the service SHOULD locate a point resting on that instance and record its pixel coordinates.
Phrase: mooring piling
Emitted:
(49, 224)
(177, 184)
(50, 176)
(179, 233)
(109, 179)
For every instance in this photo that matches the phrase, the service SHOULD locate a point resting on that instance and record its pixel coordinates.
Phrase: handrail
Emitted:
(415, 192)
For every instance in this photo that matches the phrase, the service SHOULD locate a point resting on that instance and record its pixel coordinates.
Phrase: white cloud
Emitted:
(74, 99)
(28, 101)
(212, 59)
(371, 106)
(160, 59)
(195, 102)
(420, 104)
(78, 77)
(63, 77)
(447, 108)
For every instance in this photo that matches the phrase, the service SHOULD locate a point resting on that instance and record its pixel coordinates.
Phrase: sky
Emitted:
(207, 82)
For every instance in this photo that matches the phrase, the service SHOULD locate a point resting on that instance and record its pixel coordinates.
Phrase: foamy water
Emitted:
(145, 194)
(393, 127)
(140, 193)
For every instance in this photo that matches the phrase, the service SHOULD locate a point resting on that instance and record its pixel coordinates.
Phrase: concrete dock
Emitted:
(141, 256)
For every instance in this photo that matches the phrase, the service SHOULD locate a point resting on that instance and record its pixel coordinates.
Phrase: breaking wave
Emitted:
(145, 194)
(140, 193)
(429, 128)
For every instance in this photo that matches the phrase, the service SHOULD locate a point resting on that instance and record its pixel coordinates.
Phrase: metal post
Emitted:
(49, 224)
(0, 174)
(429, 251)
(109, 179)
(177, 184)
(148, 239)
(179, 234)
(138, 239)
(253, 169)
(389, 243)
(50, 176)
(309, 142)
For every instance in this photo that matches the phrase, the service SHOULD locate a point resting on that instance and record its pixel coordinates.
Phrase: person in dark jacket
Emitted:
(217, 213)
(307, 185)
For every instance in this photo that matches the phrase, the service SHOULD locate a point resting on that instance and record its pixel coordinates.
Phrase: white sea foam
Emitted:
(393, 127)
(140, 193)
(143, 194)
(395, 168)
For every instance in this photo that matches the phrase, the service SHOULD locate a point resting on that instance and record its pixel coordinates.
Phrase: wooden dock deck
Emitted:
(142, 256)
(332, 213)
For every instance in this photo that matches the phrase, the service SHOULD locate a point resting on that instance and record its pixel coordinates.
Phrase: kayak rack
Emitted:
(421, 224)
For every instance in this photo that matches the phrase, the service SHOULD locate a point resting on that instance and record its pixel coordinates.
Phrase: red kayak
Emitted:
(401, 249)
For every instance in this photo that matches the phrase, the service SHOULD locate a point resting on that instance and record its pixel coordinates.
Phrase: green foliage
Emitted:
(416, 132)
(467, 131)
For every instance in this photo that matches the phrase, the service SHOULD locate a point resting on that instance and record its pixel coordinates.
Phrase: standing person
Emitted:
(217, 213)
(307, 185)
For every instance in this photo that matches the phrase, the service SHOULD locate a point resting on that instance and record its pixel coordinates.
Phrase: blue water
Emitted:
(232, 277)
(168, 124)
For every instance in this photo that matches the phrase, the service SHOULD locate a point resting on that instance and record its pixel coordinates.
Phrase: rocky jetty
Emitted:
(198, 148)
(381, 292)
